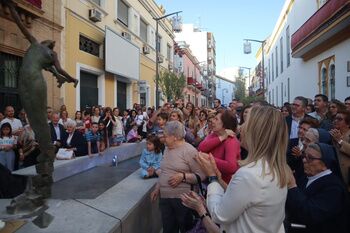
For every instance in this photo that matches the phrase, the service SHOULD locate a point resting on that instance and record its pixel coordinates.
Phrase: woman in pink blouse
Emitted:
(223, 144)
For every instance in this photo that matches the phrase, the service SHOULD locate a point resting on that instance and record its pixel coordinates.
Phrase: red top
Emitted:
(226, 154)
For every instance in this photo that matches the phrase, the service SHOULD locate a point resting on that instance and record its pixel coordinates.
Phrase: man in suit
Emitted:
(57, 131)
(298, 113)
(321, 201)
(295, 129)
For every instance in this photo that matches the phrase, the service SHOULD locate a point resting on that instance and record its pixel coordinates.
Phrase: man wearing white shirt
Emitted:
(15, 123)
(57, 131)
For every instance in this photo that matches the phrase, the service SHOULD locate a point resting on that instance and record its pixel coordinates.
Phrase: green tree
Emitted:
(250, 99)
(171, 84)
(240, 87)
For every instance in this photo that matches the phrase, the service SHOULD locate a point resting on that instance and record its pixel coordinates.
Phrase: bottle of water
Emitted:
(115, 160)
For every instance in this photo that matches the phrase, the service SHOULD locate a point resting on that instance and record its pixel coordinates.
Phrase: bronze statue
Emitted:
(33, 94)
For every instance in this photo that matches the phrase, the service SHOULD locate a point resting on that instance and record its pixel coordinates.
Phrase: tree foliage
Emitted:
(250, 99)
(171, 84)
(240, 87)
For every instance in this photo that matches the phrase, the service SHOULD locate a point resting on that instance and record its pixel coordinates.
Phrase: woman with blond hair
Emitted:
(255, 197)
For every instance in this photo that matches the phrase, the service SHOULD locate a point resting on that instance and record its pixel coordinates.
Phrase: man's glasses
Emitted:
(309, 158)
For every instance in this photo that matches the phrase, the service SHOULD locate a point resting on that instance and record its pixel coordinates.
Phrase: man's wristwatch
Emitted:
(213, 178)
(340, 141)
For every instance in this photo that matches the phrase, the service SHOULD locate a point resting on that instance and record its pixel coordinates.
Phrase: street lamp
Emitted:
(247, 68)
(157, 53)
(248, 50)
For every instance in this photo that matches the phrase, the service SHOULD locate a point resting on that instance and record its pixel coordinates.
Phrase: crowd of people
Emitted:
(241, 168)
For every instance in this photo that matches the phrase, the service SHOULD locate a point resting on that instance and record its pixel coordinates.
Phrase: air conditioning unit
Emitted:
(160, 59)
(146, 49)
(95, 15)
(126, 35)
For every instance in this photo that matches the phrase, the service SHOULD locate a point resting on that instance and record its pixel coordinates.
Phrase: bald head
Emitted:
(9, 112)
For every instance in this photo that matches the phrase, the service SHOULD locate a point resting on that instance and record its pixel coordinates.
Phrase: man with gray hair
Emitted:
(57, 131)
(298, 113)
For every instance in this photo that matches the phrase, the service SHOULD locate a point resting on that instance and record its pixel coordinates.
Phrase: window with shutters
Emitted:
(281, 93)
(143, 30)
(276, 52)
(288, 46)
(281, 54)
(327, 77)
(123, 12)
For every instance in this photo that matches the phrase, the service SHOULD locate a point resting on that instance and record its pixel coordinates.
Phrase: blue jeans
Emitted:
(7, 158)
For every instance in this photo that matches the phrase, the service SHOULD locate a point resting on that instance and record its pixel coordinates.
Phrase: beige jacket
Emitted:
(343, 153)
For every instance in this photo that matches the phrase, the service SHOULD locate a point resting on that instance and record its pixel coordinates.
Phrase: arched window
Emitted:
(324, 81)
(332, 81)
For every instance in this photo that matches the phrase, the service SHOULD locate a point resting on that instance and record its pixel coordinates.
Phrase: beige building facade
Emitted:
(43, 20)
(110, 47)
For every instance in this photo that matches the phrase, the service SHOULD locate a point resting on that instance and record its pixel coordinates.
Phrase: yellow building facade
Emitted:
(43, 20)
(109, 46)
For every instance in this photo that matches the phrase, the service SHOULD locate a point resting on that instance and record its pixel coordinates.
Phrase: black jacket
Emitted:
(53, 132)
(78, 141)
(322, 206)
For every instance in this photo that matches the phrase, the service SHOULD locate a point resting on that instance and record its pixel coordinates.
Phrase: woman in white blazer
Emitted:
(254, 199)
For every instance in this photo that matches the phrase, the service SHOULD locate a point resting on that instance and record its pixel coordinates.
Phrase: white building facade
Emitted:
(308, 51)
(225, 90)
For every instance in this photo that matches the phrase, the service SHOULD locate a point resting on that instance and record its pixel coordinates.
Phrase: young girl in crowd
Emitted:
(151, 157)
(118, 129)
(8, 143)
(80, 123)
(133, 136)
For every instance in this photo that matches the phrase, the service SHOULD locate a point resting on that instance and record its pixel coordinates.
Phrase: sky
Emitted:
(231, 21)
